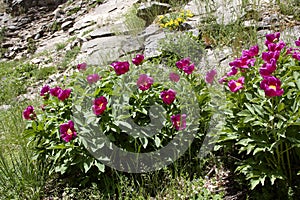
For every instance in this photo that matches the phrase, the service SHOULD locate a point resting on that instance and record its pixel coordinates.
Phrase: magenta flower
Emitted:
(189, 68)
(179, 121)
(93, 78)
(297, 42)
(210, 76)
(268, 68)
(243, 62)
(138, 59)
(232, 72)
(271, 85)
(64, 94)
(235, 86)
(55, 91)
(120, 67)
(81, 66)
(67, 131)
(183, 63)
(276, 46)
(144, 82)
(45, 90)
(168, 96)
(253, 51)
(174, 77)
(267, 56)
(99, 105)
(223, 79)
(28, 113)
(296, 55)
(272, 38)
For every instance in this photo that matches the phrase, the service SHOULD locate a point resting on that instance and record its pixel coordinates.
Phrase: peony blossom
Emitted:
(271, 85)
(45, 90)
(235, 86)
(296, 55)
(297, 42)
(93, 78)
(64, 94)
(81, 66)
(99, 105)
(144, 82)
(253, 51)
(168, 96)
(183, 63)
(268, 68)
(272, 38)
(120, 67)
(210, 76)
(179, 121)
(28, 113)
(55, 91)
(174, 77)
(67, 131)
(138, 59)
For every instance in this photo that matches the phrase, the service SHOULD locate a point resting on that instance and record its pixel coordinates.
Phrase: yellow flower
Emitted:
(176, 22)
(189, 13)
(171, 22)
(162, 25)
(179, 19)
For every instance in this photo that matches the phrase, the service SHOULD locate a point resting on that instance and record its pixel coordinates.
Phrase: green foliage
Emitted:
(263, 132)
(31, 45)
(19, 76)
(70, 55)
(59, 156)
(73, 10)
(20, 178)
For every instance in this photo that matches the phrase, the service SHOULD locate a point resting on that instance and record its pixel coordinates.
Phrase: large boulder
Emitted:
(17, 7)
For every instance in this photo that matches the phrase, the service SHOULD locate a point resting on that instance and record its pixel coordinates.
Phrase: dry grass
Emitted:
(2, 6)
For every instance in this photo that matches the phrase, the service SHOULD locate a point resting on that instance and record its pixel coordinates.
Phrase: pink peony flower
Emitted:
(271, 85)
(28, 113)
(174, 77)
(67, 131)
(144, 82)
(168, 96)
(55, 91)
(120, 67)
(210, 76)
(99, 105)
(268, 68)
(138, 59)
(272, 38)
(64, 94)
(179, 121)
(297, 42)
(93, 78)
(45, 90)
(81, 66)
(296, 55)
(183, 63)
(235, 86)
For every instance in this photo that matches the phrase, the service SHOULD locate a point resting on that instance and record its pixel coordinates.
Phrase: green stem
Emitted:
(288, 162)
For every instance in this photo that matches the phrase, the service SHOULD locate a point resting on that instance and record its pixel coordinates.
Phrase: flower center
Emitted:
(100, 105)
(167, 96)
(178, 123)
(273, 87)
(69, 132)
(238, 84)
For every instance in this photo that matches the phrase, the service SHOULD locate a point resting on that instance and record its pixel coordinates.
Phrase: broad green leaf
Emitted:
(157, 141)
(100, 166)
(280, 107)
(254, 183)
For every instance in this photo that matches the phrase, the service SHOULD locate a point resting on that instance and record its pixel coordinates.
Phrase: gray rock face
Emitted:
(16, 6)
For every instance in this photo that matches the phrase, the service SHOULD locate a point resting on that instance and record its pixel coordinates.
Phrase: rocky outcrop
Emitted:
(17, 7)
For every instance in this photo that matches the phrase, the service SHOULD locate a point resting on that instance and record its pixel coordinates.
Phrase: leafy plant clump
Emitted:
(262, 116)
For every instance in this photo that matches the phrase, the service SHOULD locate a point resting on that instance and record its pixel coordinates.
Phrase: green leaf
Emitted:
(254, 183)
(245, 142)
(157, 141)
(87, 165)
(249, 107)
(100, 166)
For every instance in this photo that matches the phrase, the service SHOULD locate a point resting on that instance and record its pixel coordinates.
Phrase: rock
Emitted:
(149, 10)
(110, 30)
(104, 50)
(152, 45)
(66, 25)
(5, 107)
